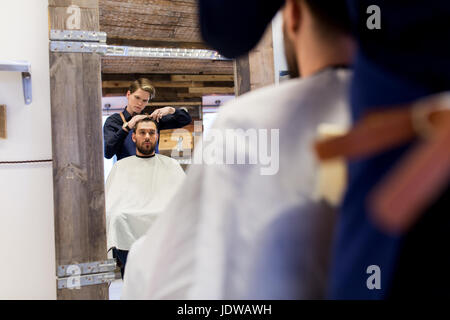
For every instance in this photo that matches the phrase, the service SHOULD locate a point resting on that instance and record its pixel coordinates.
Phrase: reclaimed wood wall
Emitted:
(159, 23)
(79, 200)
(151, 22)
(256, 69)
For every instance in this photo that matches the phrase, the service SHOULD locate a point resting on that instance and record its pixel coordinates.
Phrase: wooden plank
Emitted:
(3, 132)
(163, 97)
(113, 94)
(189, 95)
(154, 33)
(177, 43)
(212, 90)
(126, 84)
(262, 68)
(87, 4)
(173, 104)
(168, 66)
(134, 76)
(228, 79)
(187, 84)
(256, 69)
(153, 20)
(58, 14)
(242, 75)
(79, 197)
(162, 20)
(116, 84)
(200, 77)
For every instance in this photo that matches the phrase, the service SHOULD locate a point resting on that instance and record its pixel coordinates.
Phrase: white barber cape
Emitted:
(137, 191)
(233, 233)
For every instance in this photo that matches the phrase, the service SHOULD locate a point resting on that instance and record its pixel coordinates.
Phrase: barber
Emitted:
(119, 126)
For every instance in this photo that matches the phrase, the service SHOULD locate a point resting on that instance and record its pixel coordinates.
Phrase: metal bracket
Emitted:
(78, 47)
(86, 268)
(77, 35)
(25, 68)
(85, 274)
(76, 282)
(75, 41)
(78, 41)
(169, 53)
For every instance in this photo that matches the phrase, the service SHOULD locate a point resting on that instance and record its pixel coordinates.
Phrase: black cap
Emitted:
(234, 27)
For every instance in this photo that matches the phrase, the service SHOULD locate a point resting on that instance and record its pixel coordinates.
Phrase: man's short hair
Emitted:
(333, 15)
(144, 84)
(147, 119)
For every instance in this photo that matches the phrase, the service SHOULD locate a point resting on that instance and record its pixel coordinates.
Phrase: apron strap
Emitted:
(123, 117)
(421, 174)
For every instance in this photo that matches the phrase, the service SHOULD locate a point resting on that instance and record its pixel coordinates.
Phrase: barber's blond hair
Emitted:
(144, 84)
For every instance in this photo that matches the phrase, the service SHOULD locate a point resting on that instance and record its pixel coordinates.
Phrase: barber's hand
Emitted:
(132, 122)
(159, 113)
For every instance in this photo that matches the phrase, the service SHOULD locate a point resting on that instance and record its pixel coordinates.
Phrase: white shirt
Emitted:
(137, 191)
(234, 233)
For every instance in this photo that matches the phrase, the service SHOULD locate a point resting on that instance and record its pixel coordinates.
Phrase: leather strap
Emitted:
(378, 132)
(417, 180)
(123, 117)
(397, 202)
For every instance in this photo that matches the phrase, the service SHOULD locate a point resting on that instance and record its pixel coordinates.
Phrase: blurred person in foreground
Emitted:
(246, 231)
(402, 57)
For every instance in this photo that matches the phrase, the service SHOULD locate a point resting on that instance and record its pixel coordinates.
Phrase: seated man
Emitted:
(138, 189)
(247, 231)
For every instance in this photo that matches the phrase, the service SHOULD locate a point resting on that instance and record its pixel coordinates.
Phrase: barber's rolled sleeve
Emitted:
(179, 119)
(114, 137)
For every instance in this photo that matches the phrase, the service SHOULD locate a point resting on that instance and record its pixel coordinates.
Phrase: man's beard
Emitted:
(144, 150)
(291, 56)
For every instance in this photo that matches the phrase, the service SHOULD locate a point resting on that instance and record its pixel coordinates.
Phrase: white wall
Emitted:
(27, 257)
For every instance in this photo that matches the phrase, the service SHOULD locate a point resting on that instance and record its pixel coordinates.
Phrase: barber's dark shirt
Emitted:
(118, 142)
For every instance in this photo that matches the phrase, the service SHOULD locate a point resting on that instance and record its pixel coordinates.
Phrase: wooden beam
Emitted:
(200, 77)
(158, 104)
(133, 76)
(256, 69)
(187, 84)
(164, 77)
(113, 94)
(262, 68)
(155, 44)
(167, 93)
(179, 97)
(126, 84)
(112, 64)
(86, 4)
(58, 15)
(155, 20)
(212, 90)
(242, 75)
(189, 95)
(79, 196)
